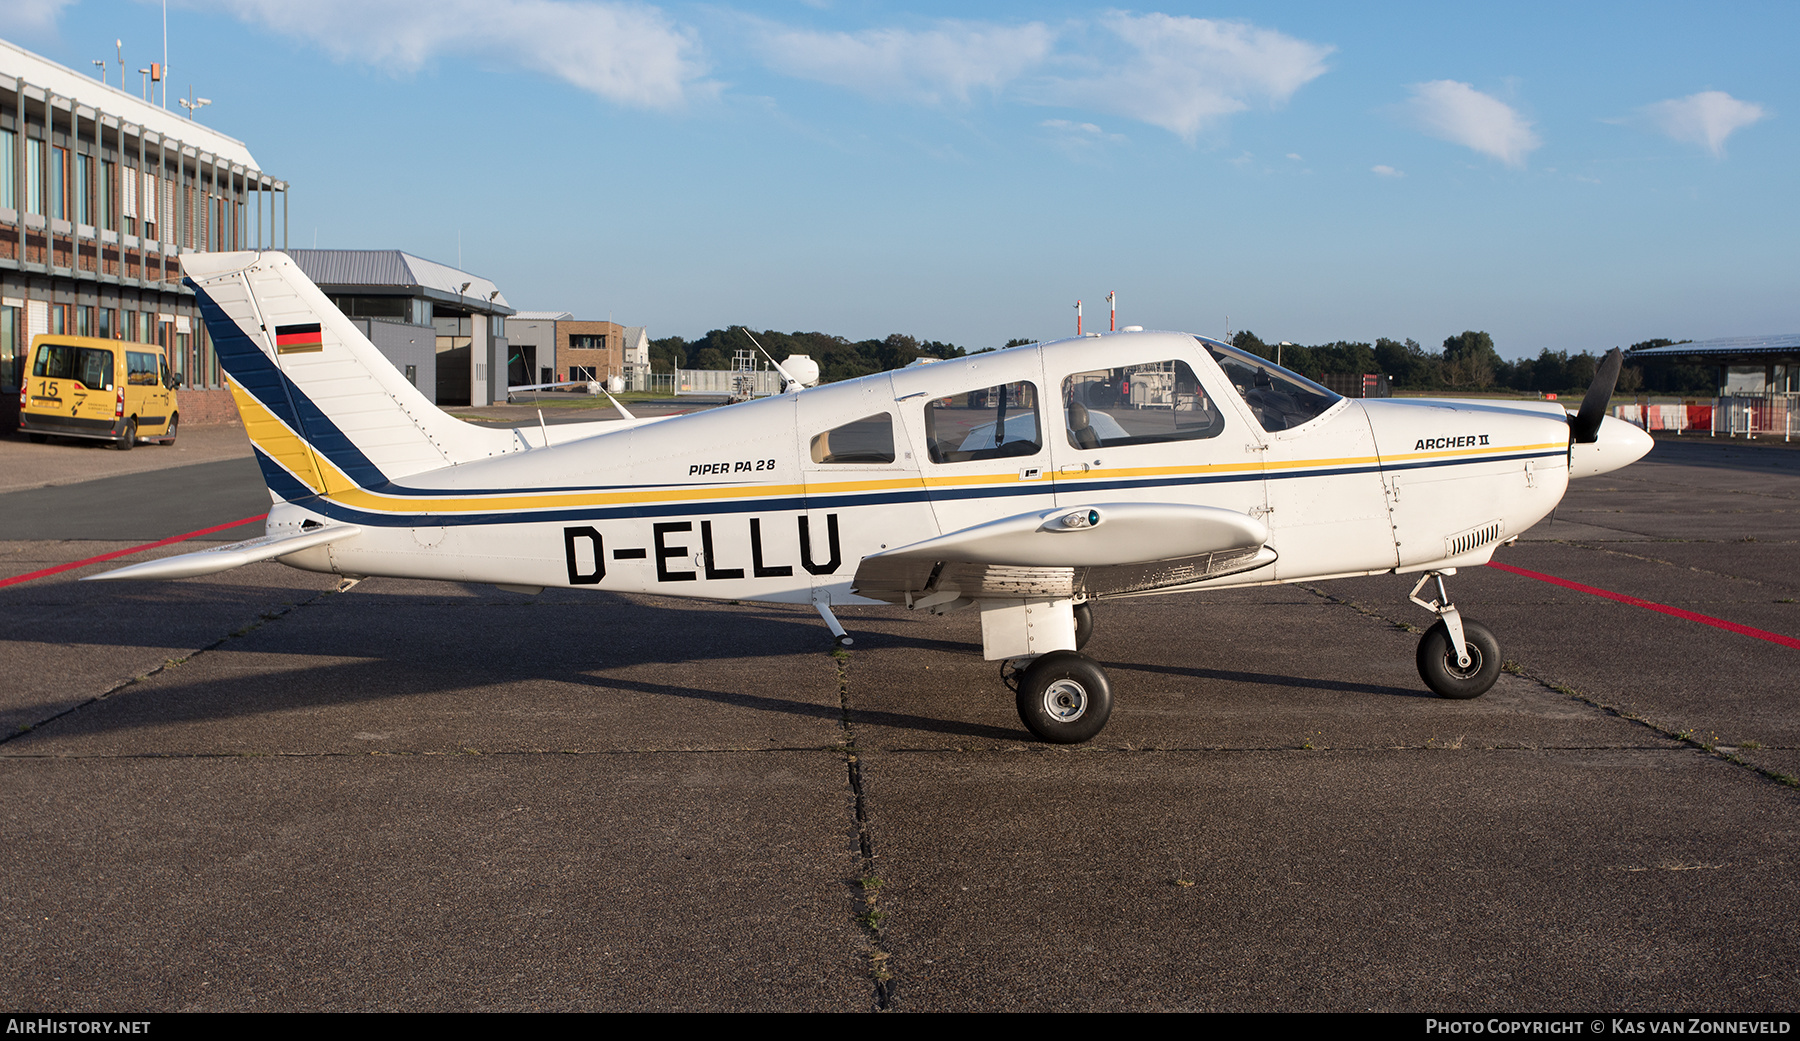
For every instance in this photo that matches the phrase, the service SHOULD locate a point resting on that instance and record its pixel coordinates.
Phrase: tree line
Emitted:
(838, 358)
(1467, 361)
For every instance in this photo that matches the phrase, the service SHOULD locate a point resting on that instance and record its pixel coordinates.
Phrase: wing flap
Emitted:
(224, 558)
(1101, 550)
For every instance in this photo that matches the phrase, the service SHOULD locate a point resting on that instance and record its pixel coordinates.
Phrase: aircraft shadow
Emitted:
(424, 645)
(1274, 680)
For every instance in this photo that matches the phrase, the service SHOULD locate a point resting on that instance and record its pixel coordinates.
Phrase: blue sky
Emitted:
(1564, 176)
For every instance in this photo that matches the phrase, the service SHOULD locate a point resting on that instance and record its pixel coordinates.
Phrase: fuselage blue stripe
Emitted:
(246, 363)
(289, 488)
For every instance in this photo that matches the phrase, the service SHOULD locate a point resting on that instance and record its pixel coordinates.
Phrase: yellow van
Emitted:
(79, 386)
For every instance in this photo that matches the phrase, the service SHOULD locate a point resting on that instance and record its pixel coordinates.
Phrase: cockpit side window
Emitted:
(990, 423)
(866, 441)
(1280, 400)
(1138, 405)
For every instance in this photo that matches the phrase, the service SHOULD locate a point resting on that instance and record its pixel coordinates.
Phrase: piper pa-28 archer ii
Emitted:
(1025, 483)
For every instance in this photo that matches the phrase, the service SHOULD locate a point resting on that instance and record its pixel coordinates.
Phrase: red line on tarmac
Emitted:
(15, 580)
(1717, 623)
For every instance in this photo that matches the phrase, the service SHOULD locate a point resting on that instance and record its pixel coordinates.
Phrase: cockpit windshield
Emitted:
(1280, 400)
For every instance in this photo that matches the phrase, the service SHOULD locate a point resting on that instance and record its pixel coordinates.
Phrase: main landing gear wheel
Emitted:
(1084, 624)
(1447, 679)
(1064, 698)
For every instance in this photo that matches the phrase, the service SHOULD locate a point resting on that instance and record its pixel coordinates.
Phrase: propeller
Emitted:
(1584, 426)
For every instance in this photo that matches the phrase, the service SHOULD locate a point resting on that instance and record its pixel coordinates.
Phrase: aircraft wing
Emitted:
(1106, 549)
(224, 558)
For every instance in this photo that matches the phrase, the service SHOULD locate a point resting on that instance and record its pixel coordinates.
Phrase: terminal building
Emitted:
(101, 193)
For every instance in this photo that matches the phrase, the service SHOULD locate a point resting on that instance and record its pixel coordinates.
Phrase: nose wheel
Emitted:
(1457, 659)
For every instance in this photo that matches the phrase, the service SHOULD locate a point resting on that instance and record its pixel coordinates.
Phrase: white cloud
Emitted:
(1182, 74)
(1704, 119)
(31, 18)
(1189, 73)
(1085, 129)
(945, 63)
(1384, 170)
(626, 53)
(1460, 114)
(1079, 140)
(1295, 156)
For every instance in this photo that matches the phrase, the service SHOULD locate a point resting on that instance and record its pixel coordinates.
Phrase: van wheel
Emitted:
(168, 437)
(130, 438)
(38, 439)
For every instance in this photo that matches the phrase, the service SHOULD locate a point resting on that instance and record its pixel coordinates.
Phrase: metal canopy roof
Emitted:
(385, 271)
(1751, 349)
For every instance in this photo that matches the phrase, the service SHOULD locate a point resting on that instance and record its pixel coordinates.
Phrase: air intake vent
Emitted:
(1474, 538)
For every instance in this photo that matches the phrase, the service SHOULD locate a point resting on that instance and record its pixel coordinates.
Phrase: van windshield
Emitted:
(92, 367)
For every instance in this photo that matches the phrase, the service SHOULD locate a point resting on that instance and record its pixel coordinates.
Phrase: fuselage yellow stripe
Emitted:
(282, 444)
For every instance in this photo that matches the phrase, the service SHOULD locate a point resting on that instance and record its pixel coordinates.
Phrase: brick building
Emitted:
(101, 193)
(551, 346)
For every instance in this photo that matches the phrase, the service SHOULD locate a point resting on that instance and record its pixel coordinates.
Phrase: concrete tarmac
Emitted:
(250, 791)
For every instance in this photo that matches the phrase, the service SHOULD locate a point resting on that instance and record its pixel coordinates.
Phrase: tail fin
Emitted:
(325, 409)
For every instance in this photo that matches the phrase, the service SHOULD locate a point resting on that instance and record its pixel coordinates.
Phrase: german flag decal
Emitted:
(298, 339)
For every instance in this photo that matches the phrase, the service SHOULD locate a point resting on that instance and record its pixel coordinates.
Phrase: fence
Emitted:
(718, 383)
(725, 383)
(1746, 415)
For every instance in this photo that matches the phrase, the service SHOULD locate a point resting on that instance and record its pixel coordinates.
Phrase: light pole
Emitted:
(1278, 348)
(193, 104)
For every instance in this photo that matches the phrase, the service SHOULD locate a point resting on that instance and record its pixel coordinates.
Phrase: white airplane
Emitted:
(1025, 483)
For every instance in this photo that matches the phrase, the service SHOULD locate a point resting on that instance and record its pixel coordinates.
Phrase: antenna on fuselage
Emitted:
(788, 382)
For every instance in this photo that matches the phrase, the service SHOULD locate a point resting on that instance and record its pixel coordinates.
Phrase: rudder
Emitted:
(324, 408)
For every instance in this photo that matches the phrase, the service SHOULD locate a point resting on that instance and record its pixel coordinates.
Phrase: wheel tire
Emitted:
(1084, 624)
(38, 439)
(1437, 661)
(1064, 698)
(168, 437)
(129, 441)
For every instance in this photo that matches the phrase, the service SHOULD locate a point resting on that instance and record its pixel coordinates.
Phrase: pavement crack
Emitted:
(1686, 736)
(869, 912)
(1577, 544)
(263, 618)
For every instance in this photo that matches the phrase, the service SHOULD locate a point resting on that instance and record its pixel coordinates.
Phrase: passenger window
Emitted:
(868, 440)
(96, 369)
(990, 423)
(1138, 405)
(140, 368)
(55, 361)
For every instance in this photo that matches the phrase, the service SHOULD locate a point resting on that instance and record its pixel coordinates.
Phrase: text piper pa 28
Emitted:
(1025, 483)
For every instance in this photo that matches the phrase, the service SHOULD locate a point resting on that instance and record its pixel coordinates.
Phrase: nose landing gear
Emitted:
(1457, 659)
